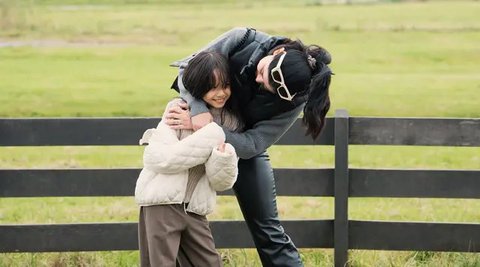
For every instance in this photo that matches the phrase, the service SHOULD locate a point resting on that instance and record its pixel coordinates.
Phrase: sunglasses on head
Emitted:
(277, 76)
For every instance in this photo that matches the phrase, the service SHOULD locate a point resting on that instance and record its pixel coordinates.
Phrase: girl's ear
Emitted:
(278, 51)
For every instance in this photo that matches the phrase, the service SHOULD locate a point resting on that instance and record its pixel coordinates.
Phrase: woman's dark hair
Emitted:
(207, 70)
(306, 73)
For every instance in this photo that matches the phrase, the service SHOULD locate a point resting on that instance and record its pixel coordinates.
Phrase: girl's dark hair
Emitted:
(204, 72)
(306, 73)
(207, 70)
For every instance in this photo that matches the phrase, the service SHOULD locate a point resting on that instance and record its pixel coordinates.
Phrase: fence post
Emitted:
(340, 233)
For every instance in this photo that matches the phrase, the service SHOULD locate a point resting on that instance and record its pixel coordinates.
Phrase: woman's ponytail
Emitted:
(306, 73)
(318, 102)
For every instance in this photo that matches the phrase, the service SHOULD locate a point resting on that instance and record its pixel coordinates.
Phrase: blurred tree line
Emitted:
(17, 15)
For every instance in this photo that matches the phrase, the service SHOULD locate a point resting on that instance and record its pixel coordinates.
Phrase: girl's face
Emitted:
(263, 73)
(217, 96)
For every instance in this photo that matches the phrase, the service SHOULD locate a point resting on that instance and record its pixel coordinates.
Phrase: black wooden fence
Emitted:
(341, 182)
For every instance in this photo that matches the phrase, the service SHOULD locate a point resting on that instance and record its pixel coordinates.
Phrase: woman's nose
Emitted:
(259, 78)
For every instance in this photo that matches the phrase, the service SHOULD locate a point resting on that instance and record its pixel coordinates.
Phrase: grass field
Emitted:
(104, 58)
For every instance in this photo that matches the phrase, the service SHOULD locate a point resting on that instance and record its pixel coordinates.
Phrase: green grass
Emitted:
(109, 58)
(119, 55)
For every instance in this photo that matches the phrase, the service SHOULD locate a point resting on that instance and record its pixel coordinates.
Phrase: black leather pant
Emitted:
(256, 195)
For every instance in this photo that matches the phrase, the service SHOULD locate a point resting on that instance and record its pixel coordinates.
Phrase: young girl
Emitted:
(183, 170)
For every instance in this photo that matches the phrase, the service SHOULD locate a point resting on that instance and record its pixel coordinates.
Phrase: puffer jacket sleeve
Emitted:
(166, 153)
(222, 168)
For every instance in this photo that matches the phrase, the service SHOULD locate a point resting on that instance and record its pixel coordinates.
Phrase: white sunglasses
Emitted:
(277, 76)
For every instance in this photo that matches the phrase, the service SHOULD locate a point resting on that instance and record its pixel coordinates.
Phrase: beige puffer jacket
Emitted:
(167, 159)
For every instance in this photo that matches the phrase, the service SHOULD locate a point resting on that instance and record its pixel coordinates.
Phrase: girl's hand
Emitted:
(221, 148)
(178, 117)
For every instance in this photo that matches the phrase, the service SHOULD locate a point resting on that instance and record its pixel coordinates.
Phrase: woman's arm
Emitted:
(225, 44)
(262, 135)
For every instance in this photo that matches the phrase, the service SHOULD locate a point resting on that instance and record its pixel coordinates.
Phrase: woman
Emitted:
(273, 80)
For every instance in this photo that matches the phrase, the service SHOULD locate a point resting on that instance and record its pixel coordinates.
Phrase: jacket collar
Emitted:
(260, 52)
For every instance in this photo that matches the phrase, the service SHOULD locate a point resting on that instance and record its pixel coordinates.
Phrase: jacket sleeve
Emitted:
(197, 106)
(224, 44)
(166, 153)
(262, 135)
(222, 168)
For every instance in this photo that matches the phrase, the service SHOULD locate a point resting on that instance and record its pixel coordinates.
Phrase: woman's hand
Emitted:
(178, 117)
(200, 120)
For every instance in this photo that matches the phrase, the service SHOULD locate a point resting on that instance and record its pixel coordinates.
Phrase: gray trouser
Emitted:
(163, 230)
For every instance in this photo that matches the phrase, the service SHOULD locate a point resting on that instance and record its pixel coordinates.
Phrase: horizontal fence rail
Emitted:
(127, 131)
(111, 131)
(289, 182)
(415, 131)
(98, 182)
(414, 236)
(234, 234)
(415, 183)
(123, 236)
(78, 131)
